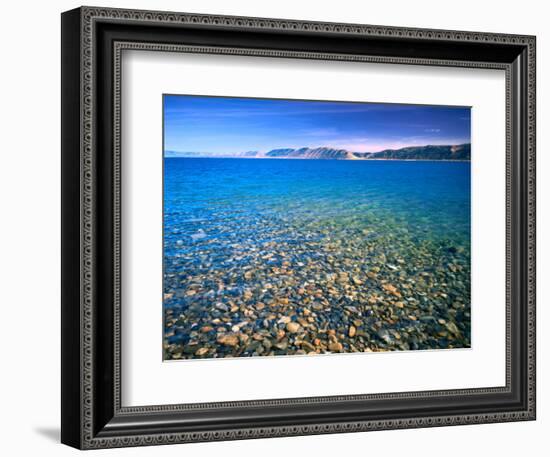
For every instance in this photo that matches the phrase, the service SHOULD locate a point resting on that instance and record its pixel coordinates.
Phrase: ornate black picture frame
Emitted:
(92, 42)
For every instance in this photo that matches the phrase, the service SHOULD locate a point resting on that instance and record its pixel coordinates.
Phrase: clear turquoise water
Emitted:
(226, 217)
(218, 201)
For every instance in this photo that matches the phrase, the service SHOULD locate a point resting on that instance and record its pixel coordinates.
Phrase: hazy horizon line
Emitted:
(316, 147)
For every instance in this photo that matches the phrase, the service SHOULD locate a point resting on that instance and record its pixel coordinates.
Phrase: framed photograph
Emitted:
(273, 227)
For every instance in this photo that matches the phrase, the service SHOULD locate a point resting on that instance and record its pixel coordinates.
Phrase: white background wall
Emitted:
(30, 240)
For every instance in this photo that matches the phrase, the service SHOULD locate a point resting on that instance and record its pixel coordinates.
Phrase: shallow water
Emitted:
(238, 232)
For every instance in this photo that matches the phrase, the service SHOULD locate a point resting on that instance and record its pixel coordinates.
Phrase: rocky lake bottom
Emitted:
(281, 257)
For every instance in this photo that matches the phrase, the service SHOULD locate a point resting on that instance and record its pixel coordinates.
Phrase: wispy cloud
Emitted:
(301, 110)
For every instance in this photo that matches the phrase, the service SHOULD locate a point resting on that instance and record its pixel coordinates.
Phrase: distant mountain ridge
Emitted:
(429, 152)
(459, 152)
(311, 153)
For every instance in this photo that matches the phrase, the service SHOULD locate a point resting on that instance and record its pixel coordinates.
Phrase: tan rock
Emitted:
(229, 339)
(293, 327)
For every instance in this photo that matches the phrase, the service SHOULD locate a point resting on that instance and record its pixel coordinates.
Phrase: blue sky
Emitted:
(233, 125)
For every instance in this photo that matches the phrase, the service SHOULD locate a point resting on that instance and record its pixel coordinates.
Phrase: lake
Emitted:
(290, 256)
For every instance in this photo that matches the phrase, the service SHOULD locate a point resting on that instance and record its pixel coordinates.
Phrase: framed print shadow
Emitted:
(273, 227)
